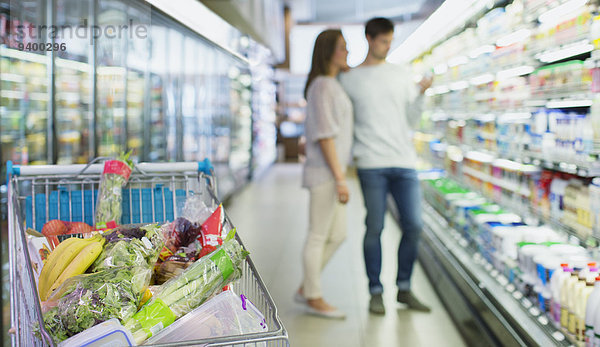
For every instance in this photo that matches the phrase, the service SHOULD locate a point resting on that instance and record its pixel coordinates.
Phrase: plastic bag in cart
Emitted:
(83, 301)
(226, 314)
(130, 245)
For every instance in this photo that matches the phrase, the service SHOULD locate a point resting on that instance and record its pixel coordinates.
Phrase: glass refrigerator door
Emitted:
(241, 112)
(221, 119)
(173, 94)
(74, 113)
(138, 57)
(191, 138)
(157, 141)
(206, 94)
(111, 80)
(24, 94)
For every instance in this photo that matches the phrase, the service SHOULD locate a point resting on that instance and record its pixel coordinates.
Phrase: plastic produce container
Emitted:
(105, 334)
(226, 314)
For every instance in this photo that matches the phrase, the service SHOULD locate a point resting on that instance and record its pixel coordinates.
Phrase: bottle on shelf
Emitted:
(556, 281)
(583, 288)
(591, 310)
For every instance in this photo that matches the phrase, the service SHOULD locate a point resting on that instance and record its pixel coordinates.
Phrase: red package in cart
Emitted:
(210, 236)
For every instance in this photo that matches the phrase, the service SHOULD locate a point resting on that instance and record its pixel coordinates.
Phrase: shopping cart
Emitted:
(156, 192)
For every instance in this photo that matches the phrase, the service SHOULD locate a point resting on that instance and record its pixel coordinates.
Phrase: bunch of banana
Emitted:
(70, 258)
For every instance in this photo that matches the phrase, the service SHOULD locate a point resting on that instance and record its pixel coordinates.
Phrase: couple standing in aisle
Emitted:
(370, 109)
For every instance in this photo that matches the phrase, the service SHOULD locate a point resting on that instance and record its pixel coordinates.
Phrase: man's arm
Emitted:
(414, 109)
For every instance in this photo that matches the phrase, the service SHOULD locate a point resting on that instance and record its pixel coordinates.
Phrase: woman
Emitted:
(328, 131)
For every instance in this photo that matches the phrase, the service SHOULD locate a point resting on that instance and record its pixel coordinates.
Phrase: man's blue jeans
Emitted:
(404, 186)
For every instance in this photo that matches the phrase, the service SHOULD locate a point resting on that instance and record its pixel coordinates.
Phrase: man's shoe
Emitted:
(406, 297)
(376, 304)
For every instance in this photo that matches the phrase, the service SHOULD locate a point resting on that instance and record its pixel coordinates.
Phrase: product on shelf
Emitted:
(558, 277)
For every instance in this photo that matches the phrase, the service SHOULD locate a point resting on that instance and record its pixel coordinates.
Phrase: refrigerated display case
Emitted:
(135, 113)
(74, 86)
(189, 100)
(172, 95)
(241, 123)
(157, 140)
(205, 94)
(138, 80)
(111, 81)
(24, 106)
(264, 133)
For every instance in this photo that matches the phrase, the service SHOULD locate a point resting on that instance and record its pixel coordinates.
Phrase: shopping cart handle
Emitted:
(205, 166)
(11, 170)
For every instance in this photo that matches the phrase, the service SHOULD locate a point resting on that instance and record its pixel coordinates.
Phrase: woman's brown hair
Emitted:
(325, 45)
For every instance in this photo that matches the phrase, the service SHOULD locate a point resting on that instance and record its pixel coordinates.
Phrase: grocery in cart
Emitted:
(123, 254)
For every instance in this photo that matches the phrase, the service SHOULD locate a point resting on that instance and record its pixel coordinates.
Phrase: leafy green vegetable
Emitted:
(127, 246)
(86, 300)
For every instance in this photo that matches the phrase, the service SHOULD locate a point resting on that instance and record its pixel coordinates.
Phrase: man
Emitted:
(387, 103)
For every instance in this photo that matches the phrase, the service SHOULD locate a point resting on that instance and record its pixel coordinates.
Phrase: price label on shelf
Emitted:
(534, 311)
(543, 320)
(489, 267)
(517, 295)
(463, 242)
(510, 287)
(494, 273)
(526, 303)
(502, 280)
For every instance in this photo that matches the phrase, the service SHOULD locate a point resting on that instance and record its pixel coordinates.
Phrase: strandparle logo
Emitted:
(31, 32)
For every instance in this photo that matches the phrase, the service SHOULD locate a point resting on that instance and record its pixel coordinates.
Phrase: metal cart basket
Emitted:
(155, 192)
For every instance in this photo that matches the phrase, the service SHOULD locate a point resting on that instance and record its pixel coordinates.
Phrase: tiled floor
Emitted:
(271, 216)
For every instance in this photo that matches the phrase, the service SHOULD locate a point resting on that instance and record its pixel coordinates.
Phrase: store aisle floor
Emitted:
(271, 216)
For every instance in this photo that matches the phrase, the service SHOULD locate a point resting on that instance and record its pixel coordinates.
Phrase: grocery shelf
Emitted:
(581, 169)
(477, 295)
(589, 242)
(512, 318)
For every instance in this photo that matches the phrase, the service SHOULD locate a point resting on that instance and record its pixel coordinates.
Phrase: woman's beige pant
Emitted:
(326, 231)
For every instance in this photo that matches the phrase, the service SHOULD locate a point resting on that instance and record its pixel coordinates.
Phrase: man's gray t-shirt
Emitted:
(328, 115)
(387, 105)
